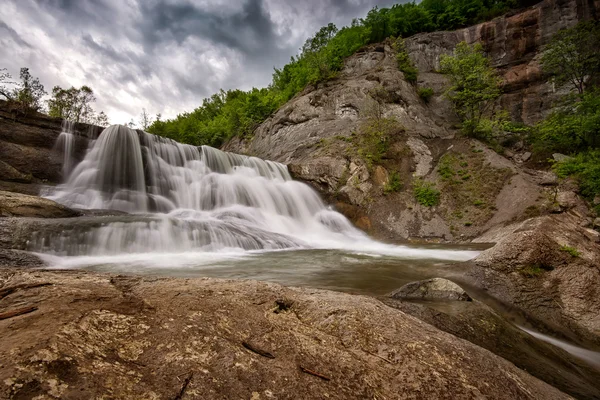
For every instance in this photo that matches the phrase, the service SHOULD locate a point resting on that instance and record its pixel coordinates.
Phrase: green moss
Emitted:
(425, 193)
(571, 250)
(535, 270)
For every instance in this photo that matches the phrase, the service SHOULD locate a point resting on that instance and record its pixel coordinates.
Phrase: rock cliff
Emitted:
(324, 134)
(27, 154)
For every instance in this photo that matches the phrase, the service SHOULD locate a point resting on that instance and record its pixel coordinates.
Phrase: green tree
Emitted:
(573, 57)
(26, 94)
(101, 119)
(474, 84)
(73, 104)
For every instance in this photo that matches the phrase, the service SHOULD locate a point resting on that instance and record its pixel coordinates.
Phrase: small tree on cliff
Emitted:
(474, 85)
(573, 56)
(26, 94)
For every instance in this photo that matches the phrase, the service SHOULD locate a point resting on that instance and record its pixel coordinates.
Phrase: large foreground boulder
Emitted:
(78, 335)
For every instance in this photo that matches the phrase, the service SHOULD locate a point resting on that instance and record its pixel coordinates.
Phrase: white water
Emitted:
(195, 203)
(592, 357)
(65, 145)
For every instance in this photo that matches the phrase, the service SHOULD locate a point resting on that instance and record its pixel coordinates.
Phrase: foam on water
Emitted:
(196, 202)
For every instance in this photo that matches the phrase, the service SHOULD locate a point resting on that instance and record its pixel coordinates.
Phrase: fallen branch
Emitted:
(184, 386)
(378, 356)
(318, 375)
(15, 313)
(258, 351)
(11, 289)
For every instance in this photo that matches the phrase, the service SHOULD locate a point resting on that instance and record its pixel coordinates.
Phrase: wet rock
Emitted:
(478, 323)
(22, 205)
(431, 289)
(132, 337)
(534, 267)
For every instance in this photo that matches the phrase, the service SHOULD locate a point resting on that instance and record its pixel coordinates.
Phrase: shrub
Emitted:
(585, 167)
(425, 93)
(394, 183)
(425, 193)
(404, 63)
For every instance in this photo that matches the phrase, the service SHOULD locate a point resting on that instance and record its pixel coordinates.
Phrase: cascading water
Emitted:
(65, 144)
(188, 200)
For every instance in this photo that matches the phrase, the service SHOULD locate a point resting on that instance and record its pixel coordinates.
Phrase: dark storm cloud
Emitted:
(13, 35)
(163, 55)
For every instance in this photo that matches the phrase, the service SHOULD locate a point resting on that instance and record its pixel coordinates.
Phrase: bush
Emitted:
(573, 127)
(425, 193)
(425, 94)
(405, 65)
(585, 167)
(394, 183)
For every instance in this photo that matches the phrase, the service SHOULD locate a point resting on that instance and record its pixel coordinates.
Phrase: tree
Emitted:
(474, 84)
(27, 93)
(145, 119)
(572, 56)
(72, 104)
(101, 119)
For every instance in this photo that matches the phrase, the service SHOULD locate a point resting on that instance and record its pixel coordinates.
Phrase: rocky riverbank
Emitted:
(71, 334)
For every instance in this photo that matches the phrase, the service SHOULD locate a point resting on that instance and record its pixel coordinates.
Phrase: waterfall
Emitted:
(65, 145)
(186, 199)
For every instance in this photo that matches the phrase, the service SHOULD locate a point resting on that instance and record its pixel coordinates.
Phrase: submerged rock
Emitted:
(130, 337)
(431, 289)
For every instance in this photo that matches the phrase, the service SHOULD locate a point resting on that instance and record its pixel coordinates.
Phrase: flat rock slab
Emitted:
(116, 337)
(23, 205)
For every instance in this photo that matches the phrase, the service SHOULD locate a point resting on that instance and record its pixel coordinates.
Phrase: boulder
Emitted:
(23, 205)
(105, 336)
(479, 324)
(431, 289)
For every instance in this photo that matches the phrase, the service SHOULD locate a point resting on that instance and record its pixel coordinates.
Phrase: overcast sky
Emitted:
(162, 55)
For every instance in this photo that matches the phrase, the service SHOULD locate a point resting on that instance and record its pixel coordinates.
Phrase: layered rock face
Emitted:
(27, 153)
(514, 45)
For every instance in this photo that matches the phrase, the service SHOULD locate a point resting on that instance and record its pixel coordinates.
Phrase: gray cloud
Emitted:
(163, 55)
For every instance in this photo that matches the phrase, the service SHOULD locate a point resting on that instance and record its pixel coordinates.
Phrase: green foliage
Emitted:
(25, 95)
(571, 128)
(474, 85)
(572, 251)
(572, 56)
(425, 193)
(72, 104)
(231, 113)
(585, 167)
(405, 65)
(373, 138)
(425, 93)
(394, 183)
